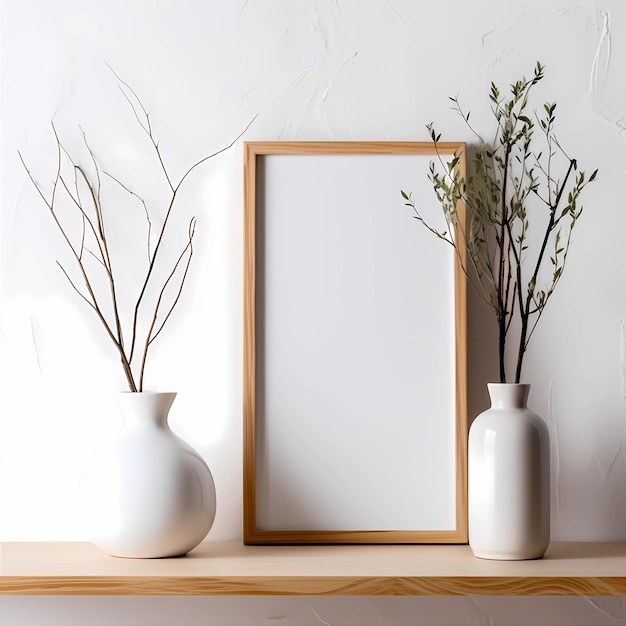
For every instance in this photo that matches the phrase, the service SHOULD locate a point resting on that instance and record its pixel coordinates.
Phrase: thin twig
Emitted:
(145, 208)
(93, 229)
(150, 336)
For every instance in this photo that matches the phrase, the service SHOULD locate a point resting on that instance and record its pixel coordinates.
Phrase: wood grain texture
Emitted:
(569, 569)
(351, 147)
(309, 586)
(249, 342)
(460, 321)
(251, 534)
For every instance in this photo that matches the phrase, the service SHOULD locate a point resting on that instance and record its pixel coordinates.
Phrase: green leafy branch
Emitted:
(509, 178)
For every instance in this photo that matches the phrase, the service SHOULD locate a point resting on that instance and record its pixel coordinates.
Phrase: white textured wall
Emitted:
(310, 70)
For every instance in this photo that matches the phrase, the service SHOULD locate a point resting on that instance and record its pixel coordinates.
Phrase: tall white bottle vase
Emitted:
(509, 478)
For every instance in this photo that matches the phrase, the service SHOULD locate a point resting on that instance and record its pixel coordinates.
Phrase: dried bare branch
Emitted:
(145, 209)
(152, 334)
(94, 240)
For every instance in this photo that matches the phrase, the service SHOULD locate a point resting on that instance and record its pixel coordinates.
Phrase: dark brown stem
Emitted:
(502, 301)
(525, 310)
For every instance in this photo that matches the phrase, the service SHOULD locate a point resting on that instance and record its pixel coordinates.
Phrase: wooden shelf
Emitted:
(234, 569)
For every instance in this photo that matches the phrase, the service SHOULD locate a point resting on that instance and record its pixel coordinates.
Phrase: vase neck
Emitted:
(508, 395)
(147, 407)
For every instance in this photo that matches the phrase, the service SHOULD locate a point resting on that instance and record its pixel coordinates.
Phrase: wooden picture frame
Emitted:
(354, 388)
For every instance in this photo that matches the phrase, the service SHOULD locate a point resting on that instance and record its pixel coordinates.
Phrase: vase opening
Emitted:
(508, 395)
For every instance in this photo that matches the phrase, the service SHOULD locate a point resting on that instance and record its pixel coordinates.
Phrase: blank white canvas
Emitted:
(355, 347)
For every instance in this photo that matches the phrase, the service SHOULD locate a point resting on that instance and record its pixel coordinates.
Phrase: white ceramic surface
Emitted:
(509, 478)
(148, 494)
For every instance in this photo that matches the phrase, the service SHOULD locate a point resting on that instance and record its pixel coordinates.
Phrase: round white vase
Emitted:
(509, 478)
(148, 494)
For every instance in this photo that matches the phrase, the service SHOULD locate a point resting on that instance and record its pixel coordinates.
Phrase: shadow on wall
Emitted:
(482, 353)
